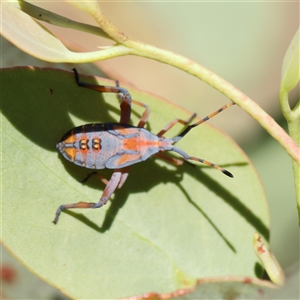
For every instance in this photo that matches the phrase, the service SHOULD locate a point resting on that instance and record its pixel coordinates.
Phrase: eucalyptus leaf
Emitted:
(35, 39)
(164, 230)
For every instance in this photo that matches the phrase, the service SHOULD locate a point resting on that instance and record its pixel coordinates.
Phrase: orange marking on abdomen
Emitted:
(71, 152)
(71, 138)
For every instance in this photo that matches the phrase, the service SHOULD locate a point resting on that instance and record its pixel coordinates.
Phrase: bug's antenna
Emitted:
(203, 161)
(188, 128)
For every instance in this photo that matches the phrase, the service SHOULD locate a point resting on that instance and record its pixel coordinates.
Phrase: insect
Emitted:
(117, 146)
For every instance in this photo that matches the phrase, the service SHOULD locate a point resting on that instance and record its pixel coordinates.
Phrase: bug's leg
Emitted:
(102, 88)
(123, 178)
(175, 121)
(145, 115)
(125, 106)
(111, 186)
(172, 160)
(103, 179)
(123, 95)
(125, 173)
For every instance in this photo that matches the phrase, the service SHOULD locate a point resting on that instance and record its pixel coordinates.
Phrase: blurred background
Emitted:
(243, 42)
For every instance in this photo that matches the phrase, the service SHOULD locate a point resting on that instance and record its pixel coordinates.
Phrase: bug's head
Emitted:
(187, 130)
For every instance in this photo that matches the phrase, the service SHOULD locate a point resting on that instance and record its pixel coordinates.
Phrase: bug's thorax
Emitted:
(141, 139)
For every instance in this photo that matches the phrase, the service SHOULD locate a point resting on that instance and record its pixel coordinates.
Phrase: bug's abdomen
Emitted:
(89, 146)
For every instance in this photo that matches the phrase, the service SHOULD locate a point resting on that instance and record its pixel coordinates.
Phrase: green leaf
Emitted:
(33, 38)
(227, 287)
(30, 36)
(166, 228)
(290, 73)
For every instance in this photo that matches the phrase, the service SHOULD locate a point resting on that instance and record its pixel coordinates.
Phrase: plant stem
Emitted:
(195, 69)
(292, 117)
(294, 129)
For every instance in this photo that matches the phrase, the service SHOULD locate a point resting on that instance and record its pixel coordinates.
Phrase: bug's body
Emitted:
(119, 145)
(110, 145)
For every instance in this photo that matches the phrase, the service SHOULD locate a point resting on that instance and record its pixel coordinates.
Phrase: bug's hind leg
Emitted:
(124, 176)
(116, 181)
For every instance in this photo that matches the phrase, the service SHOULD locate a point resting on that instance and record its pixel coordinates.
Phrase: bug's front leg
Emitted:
(116, 181)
